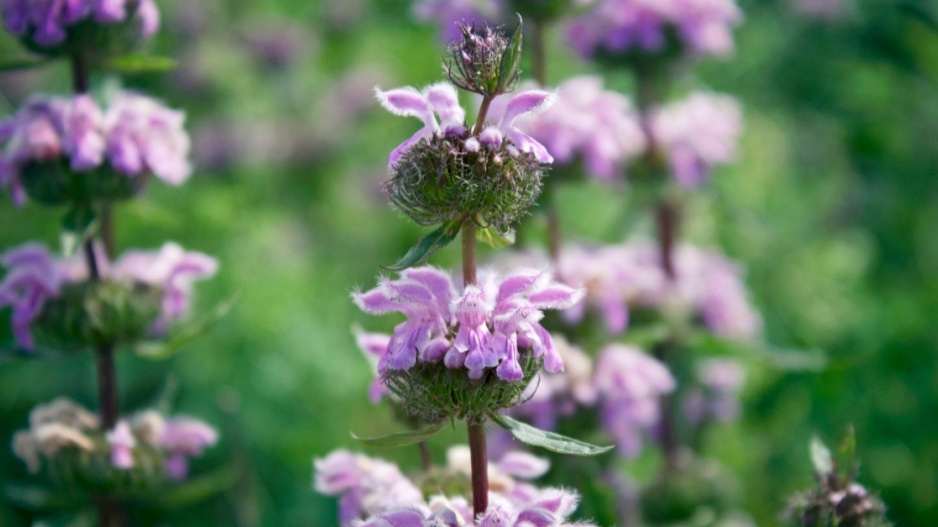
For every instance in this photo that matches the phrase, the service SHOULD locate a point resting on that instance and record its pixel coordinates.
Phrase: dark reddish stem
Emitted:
(483, 113)
(426, 460)
(480, 468)
(469, 252)
(109, 509)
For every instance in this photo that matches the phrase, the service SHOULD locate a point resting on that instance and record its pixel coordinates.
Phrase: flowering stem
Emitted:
(109, 510)
(469, 253)
(478, 459)
(426, 460)
(668, 220)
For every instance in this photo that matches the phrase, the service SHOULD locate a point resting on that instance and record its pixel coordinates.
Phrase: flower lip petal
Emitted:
(527, 102)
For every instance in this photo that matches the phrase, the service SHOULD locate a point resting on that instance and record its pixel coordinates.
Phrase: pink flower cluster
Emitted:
(484, 326)
(63, 425)
(619, 278)
(698, 133)
(600, 126)
(442, 100)
(374, 493)
(624, 384)
(48, 21)
(135, 135)
(34, 276)
(703, 27)
(717, 395)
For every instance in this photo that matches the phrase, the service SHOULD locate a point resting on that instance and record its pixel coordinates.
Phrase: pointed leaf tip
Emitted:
(397, 439)
(426, 247)
(552, 441)
(821, 456)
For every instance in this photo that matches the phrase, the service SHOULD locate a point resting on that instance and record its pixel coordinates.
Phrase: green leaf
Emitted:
(140, 63)
(77, 226)
(13, 352)
(508, 69)
(492, 238)
(23, 64)
(821, 457)
(401, 438)
(183, 334)
(847, 453)
(552, 441)
(35, 497)
(427, 245)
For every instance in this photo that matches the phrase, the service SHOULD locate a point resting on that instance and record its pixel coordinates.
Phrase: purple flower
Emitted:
(587, 122)
(698, 133)
(365, 485)
(442, 100)
(448, 13)
(718, 397)
(703, 27)
(631, 384)
(184, 438)
(122, 444)
(172, 269)
(143, 136)
(32, 278)
(373, 345)
(136, 135)
(480, 328)
(49, 20)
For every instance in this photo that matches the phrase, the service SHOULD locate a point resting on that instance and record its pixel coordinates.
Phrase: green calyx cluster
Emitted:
(438, 181)
(53, 183)
(92, 470)
(485, 62)
(94, 40)
(91, 314)
(434, 393)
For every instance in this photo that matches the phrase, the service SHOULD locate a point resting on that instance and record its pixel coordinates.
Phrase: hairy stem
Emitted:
(478, 458)
(426, 460)
(483, 113)
(469, 253)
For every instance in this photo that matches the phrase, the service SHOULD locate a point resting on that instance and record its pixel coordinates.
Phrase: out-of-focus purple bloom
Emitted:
(822, 10)
(122, 444)
(589, 123)
(143, 136)
(32, 278)
(173, 269)
(617, 278)
(184, 438)
(448, 13)
(63, 425)
(631, 384)
(479, 328)
(136, 135)
(365, 485)
(717, 398)
(617, 27)
(48, 21)
(698, 133)
(441, 100)
(555, 395)
(278, 46)
(373, 346)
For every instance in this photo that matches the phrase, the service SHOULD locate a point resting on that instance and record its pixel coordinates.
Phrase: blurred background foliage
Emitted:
(833, 209)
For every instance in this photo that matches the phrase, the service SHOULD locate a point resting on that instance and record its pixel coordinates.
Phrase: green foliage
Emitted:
(427, 245)
(411, 437)
(552, 441)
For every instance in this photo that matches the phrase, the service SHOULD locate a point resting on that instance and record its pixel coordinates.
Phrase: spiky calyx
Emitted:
(434, 393)
(439, 180)
(88, 315)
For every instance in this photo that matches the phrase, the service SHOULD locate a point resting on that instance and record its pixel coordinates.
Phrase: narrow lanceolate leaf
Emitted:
(401, 438)
(22, 64)
(508, 69)
(140, 63)
(427, 245)
(495, 240)
(183, 334)
(552, 441)
(821, 457)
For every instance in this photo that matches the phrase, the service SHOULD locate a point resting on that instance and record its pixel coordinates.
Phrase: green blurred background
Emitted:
(833, 208)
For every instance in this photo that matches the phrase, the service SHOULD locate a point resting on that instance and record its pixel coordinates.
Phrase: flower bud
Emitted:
(485, 61)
